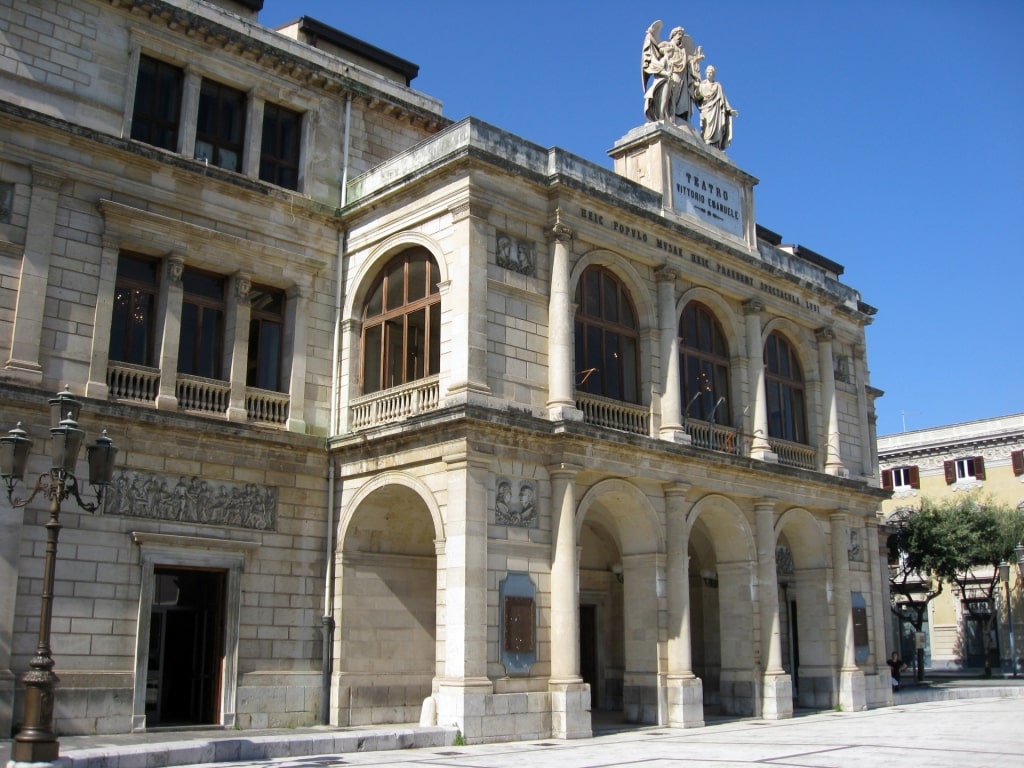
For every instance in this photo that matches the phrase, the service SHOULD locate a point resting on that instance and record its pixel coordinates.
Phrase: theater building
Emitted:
(417, 421)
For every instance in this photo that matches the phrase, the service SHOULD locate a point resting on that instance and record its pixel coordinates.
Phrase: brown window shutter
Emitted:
(887, 479)
(949, 468)
(915, 476)
(1017, 460)
(979, 468)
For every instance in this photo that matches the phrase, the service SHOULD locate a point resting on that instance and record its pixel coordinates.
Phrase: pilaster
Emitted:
(172, 294)
(27, 333)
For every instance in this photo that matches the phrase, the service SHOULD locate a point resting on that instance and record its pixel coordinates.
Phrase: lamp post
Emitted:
(36, 742)
(1004, 576)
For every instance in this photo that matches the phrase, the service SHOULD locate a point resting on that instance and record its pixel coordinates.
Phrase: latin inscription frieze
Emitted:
(704, 262)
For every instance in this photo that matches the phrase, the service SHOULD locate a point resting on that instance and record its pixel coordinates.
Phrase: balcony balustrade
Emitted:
(394, 404)
(614, 414)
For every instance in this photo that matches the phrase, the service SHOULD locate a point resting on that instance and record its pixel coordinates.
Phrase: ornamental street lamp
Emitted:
(1004, 576)
(36, 742)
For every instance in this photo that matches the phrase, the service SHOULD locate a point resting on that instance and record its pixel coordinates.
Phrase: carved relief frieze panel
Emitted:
(192, 500)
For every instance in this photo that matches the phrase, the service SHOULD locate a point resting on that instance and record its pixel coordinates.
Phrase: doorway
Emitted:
(588, 652)
(186, 645)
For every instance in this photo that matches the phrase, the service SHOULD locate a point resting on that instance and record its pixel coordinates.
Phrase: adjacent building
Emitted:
(986, 457)
(418, 421)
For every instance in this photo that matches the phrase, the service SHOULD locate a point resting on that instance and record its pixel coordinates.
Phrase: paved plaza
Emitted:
(962, 732)
(949, 734)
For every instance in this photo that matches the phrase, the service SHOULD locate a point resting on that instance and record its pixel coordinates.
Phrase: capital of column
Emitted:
(469, 209)
(559, 231)
(753, 307)
(765, 504)
(825, 334)
(243, 288)
(676, 489)
(563, 470)
(47, 178)
(665, 274)
(175, 268)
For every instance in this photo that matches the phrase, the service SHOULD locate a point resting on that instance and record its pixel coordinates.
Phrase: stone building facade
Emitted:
(418, 421)
(986, 457)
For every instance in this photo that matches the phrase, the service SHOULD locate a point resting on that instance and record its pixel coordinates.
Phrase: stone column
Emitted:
(851, 679)
(27, 332)
(685, 689)
(97, 385)
(462, 691)
(570, 696)
(172, 293)
(878, 562)
(252, 141)
(561, 387)
(189, 113)
(671, 410)
(826, 364)
(760, 448)
(466, 312)
(294, 353)
(777, 694)
(236, 331)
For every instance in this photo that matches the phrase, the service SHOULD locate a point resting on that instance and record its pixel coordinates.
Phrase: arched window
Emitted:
(703, 364)
(402, 323)
(784, 382)
(607, 341)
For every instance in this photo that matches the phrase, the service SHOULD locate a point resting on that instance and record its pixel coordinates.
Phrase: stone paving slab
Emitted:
(167, 748)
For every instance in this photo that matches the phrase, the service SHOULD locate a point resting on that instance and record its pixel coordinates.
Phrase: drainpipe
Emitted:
(327, 620)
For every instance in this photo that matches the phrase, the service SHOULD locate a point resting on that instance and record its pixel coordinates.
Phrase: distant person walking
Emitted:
(896, 665)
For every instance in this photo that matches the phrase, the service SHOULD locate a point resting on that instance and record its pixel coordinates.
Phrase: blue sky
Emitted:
(887, 135)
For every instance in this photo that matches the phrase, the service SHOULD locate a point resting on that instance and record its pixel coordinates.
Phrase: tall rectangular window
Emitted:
(157, 103)
(266, 333)
(201, 347)
(279, 154)
(133, 321)
(220, 128)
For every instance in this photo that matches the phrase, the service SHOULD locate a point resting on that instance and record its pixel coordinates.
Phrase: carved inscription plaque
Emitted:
(518, 625)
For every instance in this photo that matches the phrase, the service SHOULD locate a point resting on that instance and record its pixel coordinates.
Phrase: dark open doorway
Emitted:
(588, 652)
(186, 645)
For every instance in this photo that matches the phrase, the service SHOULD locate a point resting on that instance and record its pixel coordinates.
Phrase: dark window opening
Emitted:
(221, 125)
(133, 320)
(157, 103)
(401, 339)
(279, 153)
(201, 347)
(607, 340)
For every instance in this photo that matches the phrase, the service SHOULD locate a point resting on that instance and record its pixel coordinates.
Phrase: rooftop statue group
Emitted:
(673, 87)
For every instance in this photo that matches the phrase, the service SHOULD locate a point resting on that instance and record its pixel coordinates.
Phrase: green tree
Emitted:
(912, 582)
(961, 539)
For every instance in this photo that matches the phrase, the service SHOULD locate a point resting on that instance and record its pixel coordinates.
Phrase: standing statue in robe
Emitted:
(671, 71)
(716, 114)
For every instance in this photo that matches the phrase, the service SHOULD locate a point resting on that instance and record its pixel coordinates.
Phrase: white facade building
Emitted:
(491, 433)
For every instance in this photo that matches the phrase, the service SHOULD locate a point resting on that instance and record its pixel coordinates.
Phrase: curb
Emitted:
(234, 749)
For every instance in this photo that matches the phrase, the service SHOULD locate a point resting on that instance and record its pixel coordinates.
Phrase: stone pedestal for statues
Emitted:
(699, 184)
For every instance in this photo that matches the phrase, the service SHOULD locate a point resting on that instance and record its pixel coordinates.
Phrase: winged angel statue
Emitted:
(671, 74)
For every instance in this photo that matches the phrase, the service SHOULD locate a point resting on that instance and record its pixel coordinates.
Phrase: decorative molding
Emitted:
(192, 500)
